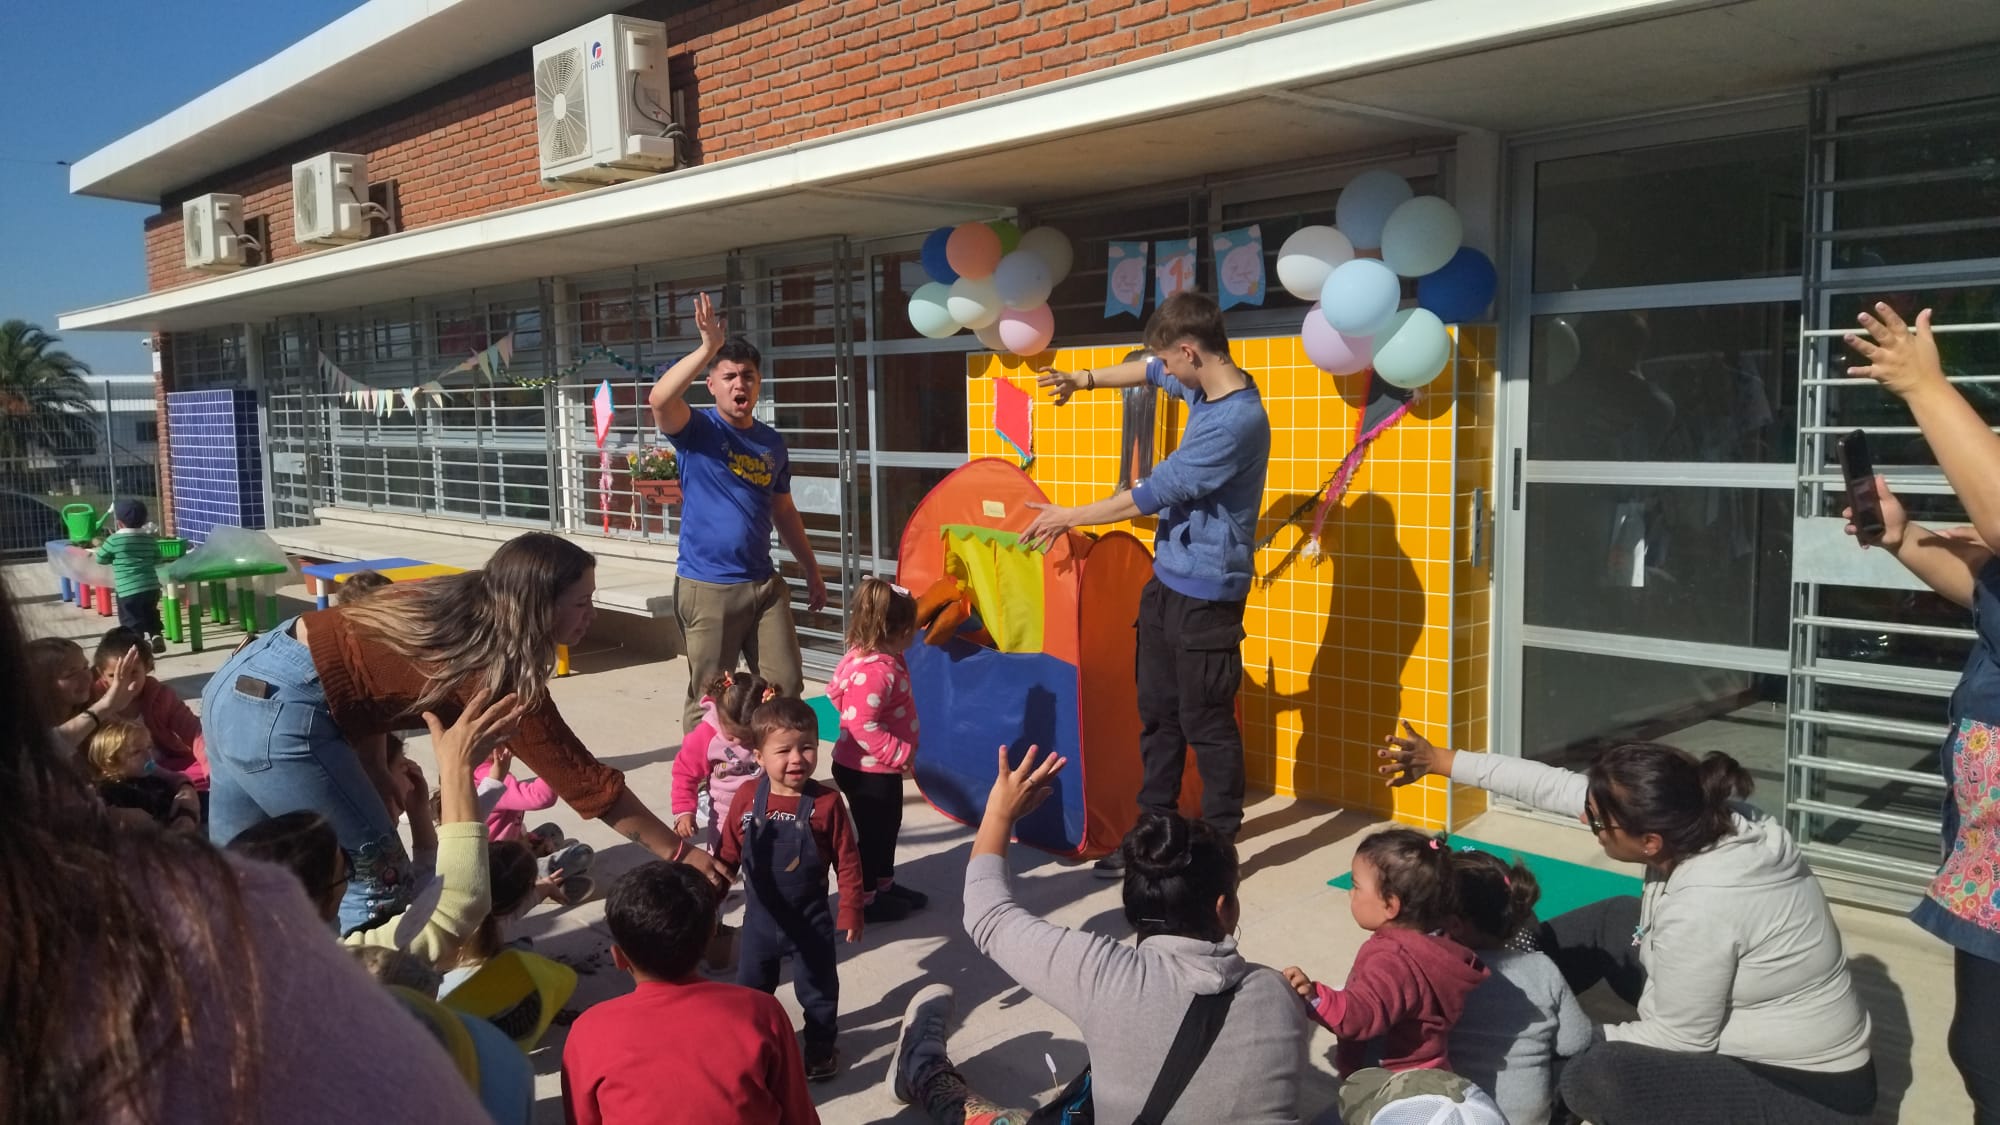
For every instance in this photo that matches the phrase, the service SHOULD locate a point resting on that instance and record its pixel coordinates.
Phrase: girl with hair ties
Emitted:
(1746, 1010)
(292, 715)
(1180, 895)
(146, 977)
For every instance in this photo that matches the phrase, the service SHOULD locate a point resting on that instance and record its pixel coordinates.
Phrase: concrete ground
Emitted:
(626, 707)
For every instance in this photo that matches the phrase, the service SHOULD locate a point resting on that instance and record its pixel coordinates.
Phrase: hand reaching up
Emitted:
(1897, 359)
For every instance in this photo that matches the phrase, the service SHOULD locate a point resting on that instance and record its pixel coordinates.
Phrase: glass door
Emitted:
(1645, 500)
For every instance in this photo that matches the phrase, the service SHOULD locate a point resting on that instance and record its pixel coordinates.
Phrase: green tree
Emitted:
(45, 406)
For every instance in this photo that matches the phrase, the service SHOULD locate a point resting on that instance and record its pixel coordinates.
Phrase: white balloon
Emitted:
(1365, 204)
(1421, 236)
(1023, 280)
(1051, 246)
(989, 337)
(973, 302)
(1413, 349)
(1308, 256)
(928, 312)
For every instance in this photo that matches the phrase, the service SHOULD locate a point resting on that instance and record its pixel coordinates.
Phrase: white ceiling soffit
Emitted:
(1162, 119)
(376, 55)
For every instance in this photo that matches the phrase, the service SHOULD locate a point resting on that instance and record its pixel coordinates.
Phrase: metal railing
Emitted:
(106, 455)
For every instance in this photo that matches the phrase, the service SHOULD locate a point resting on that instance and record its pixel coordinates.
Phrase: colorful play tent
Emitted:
(1057, 673)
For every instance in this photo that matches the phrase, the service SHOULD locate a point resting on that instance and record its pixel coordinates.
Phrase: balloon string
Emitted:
(1336, 486)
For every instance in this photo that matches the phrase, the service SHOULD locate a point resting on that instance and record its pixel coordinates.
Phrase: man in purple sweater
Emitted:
(1207, 494)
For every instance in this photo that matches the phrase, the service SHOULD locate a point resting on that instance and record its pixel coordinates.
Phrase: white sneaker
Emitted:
(923, 1038)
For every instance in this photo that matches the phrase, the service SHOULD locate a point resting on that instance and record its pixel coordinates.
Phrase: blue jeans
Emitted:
(273, 748)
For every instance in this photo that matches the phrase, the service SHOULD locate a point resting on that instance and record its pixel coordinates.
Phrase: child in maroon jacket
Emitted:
(1409, 982)
(786, 832)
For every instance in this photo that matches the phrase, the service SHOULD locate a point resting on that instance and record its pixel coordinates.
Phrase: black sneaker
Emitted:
(885, 908)
(822, 1062)
(157, 643)
(917, 899)
(1110, 867)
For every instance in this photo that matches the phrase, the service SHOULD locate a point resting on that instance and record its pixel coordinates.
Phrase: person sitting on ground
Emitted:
(359, 585)
(121, 751)
(397, 969)
(287, 716)
(168, 981)
(77, 701)
(160, 800)
(1524, 1018)
(177, 741)
(1409, 981)
(786, 833)
(1180, 895)
(505, 800)
(617, 1068)
(515, 889)
(1731, 954)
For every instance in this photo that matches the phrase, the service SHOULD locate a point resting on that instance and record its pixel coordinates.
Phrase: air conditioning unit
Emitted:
(602, 106)
(212, 232)
(330, 198)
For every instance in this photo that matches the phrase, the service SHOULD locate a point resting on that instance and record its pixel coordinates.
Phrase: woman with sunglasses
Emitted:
(1746, 1009)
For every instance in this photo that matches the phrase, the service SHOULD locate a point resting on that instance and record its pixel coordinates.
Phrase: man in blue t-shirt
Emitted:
(1207, 494)
(736, 485)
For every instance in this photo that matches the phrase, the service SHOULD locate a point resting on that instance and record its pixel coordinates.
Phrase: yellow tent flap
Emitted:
(1005, 579)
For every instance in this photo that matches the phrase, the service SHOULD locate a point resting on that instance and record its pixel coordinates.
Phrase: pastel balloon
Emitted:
(1027, 331)
(936, 264)
(973, 250)
(1421, 236)
(1556, 350)
(1332, 352)
(1462, 289)
(1010, 235)
(1308, 256)
(1413, 349)
(928, 314)
(1051, 246)
(1023, 280)
(973, 302)
(989, 337)
(1360, 296)
(1366, 203)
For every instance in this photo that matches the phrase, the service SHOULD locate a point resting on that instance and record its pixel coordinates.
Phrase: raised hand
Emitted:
(708, 322)
(1411, 757)
(1020, 790)
(479, 730)
(1897, 359)
(1062, 385)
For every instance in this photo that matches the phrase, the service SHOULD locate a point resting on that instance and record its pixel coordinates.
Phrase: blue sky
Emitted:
(82, 74)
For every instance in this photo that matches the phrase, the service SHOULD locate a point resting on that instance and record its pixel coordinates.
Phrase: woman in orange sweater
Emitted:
(288, 717)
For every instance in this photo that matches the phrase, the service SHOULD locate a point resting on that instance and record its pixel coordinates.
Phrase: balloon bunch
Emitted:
(1355, 322)
(994, 279)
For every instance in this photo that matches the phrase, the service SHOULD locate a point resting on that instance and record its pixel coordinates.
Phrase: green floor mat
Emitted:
(1565, 885)
(829, 719)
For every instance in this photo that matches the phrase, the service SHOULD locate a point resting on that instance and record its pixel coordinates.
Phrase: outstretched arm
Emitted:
(669, 396)
(1967, 449)
(1062, 385)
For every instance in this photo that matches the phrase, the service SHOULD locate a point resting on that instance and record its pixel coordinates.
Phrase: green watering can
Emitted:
(82, 522)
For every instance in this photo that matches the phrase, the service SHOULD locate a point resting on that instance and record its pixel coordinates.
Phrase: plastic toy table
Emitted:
(322, 577)
(253, 582)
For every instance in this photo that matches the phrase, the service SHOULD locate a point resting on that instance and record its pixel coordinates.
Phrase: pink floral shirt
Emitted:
(878, 716)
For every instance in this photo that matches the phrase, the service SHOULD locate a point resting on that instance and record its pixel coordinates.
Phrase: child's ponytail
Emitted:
(1416, 869)
(737, 696)
(1495, 900)
(880, 617)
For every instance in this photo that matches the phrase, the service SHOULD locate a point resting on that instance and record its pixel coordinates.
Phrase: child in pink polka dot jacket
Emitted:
(878, 737)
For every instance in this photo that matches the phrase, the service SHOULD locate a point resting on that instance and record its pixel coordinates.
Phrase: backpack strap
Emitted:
(1199, 1028)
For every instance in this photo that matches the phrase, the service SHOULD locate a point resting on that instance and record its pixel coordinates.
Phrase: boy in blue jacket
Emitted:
(1207, 495)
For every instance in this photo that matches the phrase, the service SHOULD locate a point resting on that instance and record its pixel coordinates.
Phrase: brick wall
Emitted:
(755, 75)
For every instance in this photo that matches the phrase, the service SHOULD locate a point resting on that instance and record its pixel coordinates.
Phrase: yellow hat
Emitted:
(518, 992)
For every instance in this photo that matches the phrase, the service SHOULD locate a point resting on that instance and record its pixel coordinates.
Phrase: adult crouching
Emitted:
(290, 715)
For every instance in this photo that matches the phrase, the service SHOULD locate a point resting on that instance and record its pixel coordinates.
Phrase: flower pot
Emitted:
(661, 493)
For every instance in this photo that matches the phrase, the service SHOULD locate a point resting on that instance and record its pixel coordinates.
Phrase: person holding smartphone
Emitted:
(1963, 904)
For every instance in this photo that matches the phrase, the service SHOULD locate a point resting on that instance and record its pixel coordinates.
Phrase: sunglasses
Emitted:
(1598, 822)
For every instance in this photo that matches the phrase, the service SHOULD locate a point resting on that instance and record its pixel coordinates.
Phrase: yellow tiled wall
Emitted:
(1342, 646)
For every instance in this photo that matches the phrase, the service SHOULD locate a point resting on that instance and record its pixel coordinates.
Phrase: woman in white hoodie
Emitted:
(1746, 1010)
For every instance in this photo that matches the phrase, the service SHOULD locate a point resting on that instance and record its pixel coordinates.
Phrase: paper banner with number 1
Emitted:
(1173, 266)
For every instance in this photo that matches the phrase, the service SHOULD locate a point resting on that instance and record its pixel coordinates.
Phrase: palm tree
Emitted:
(45, 406)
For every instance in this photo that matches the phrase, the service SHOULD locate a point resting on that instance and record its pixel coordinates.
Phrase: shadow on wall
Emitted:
(1351, 696)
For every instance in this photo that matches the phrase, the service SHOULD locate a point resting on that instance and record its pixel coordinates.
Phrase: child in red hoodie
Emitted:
(177, 740)
(1409, 982)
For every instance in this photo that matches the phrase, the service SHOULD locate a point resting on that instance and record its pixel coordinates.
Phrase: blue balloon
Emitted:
(935, 263)
(1461, 289)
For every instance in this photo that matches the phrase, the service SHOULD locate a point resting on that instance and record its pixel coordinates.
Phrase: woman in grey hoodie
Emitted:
(1128, 1000)
(1746, 1010)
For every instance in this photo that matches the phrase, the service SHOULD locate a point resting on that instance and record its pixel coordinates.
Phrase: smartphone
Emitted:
(1859, 470)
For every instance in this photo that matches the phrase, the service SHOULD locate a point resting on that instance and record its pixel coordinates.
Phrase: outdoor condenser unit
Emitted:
(602, 105)
(212, 232)
(330, 198)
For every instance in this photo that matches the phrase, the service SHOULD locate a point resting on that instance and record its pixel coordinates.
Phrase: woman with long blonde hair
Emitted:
(291, 715)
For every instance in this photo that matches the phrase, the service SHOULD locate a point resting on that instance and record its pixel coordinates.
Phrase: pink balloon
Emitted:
(1027, 331)
(1333, 351)
(973, 250)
